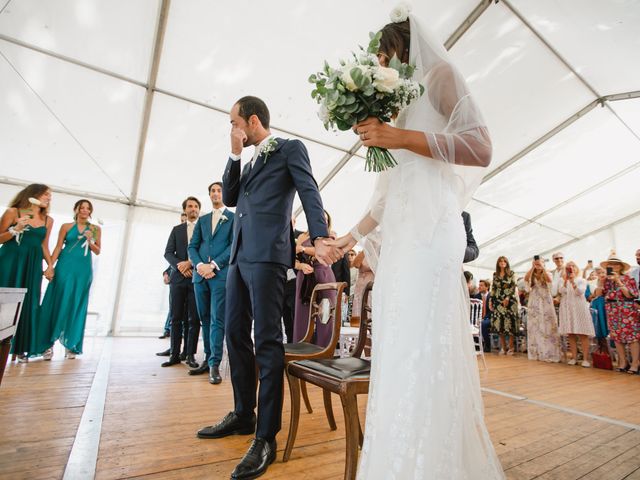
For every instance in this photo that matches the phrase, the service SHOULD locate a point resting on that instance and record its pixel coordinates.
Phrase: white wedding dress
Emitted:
(425, 413)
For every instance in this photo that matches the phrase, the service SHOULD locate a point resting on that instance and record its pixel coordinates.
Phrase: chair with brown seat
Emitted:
(347, 377)
(322, 310)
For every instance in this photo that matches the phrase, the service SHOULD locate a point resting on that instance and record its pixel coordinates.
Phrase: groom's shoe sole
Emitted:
(238, 431)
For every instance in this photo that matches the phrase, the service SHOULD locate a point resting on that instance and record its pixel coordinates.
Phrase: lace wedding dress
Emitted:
(425, 412)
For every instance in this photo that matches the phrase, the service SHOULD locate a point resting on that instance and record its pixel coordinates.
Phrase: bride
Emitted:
(425, 412)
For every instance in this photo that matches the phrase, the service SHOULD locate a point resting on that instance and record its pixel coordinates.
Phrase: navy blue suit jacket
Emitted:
(176, 252)
(205, 246)
(264, 196)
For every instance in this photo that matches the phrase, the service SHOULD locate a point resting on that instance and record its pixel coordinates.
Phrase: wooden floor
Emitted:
(547, 421)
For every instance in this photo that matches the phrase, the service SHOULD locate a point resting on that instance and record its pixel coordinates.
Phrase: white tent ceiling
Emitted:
(127, 102)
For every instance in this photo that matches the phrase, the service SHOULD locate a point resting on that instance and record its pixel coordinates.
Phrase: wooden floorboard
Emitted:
(151, 415)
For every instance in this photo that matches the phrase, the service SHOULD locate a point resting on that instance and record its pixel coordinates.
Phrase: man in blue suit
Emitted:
(263, 249)
(209, 251)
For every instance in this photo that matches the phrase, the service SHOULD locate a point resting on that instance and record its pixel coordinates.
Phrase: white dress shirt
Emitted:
(190, 227)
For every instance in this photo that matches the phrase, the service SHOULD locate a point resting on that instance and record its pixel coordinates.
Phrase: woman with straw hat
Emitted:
(620, 291)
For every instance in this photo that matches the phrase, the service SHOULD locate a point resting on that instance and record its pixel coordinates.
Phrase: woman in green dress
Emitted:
(504, 307)
(64, 308)
(24, 239)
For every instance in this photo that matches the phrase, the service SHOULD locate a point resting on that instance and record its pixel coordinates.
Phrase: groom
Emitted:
(262, 251)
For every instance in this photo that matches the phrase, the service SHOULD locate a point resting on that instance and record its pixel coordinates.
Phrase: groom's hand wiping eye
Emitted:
(238, 137)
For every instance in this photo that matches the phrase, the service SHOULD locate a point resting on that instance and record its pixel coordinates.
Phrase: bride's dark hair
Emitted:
(396, 38)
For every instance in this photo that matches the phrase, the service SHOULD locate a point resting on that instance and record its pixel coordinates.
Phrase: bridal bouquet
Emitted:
(363, 88)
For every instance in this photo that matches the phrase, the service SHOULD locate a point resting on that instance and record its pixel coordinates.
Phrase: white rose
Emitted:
(323, 114)
(400, 12)
(346, 76)
(386, 79)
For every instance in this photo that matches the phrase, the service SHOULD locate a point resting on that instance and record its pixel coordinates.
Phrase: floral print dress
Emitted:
(504, 320)
(622, 312)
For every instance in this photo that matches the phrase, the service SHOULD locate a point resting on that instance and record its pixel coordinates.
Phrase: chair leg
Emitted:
(328, 408)
(294, 390)
(305, 396)
(352, 427)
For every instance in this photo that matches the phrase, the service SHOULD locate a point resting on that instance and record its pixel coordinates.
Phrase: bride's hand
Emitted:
(374, 133)
(344, 243)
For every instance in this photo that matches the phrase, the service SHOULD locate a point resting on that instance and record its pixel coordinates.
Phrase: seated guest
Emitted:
(365, 275)
(575, 316)
(471, 286)
(310, 273)
(167, 324)
(289, 299)
(543, 340)
(620, 291)
(484, 295)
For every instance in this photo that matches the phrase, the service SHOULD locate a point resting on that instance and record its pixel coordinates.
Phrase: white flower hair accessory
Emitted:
(400, 12)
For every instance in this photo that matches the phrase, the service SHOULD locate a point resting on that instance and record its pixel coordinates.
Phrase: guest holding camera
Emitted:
(543, 340)
(575, 316)
(504, 305)
(620, 291)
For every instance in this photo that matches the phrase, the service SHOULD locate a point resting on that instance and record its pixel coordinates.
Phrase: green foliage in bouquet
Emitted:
(362, 88)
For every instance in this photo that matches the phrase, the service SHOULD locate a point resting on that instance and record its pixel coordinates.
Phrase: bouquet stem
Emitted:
(379, 159)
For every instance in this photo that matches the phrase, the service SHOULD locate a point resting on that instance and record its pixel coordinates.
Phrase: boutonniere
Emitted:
(268, 148)
(223, 218)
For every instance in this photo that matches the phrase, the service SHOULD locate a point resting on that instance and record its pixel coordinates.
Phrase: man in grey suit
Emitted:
(263, 249)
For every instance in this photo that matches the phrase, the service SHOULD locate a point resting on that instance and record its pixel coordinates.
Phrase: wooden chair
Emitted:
(305, 349)
(347, 377)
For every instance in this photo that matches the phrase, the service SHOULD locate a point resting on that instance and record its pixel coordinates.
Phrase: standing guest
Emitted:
(181, 291)
(365, 275)
(353, 270)
(471, 251)
(598, 304)
(483, 294)
(166, 333)
(210, 250)
(24, 235)
(342, 272)
(635, 273)
(557, 273)
(588, 270)
(310, 273)
(289, 305)
(504, 305)
(63, 312)
(575, 316)
(620, 291)
(543, 340)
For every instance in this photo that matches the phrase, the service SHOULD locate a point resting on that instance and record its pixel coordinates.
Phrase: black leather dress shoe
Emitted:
(231, 424)
(171, 361)
(165, 335)
(165, 353)
(214, 375)
(191, 361)
(200, 370)
(255, 462)
(183, 356)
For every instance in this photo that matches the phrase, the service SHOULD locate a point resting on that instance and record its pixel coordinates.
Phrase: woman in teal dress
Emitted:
(64, 308)
(24, 239)
(597, 303)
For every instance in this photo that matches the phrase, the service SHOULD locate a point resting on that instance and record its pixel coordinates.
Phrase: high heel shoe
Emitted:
(22, 358)
(634, 372)
(623, 369)
(48, 354)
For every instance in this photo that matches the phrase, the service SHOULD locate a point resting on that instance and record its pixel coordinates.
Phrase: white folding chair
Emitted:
(475, 307)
